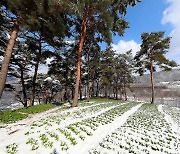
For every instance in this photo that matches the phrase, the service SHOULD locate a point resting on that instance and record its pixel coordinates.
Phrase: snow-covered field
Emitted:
(96, 127)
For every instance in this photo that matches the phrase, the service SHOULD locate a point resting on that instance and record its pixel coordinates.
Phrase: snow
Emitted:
(101, 132)
(102, 126)
(174, 125)
(48, 79)
(21, 127)
(145, 131)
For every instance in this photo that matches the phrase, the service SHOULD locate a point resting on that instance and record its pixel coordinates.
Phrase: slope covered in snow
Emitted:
(95, 127)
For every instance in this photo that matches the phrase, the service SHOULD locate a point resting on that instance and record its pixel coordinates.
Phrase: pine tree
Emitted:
(105, 17)
(153, 49)
(123, 66)
(63, 67)
(7, 56)
(20, 64)
(91, 53)
(107, 66)
(46, 19)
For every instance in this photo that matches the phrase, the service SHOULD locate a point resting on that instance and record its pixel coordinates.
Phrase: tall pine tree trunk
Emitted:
(92, 88)
(125, 93)
(33, 91)
(152, 78)
(88, 78)
(72, 93)
(66, 93)
(120, 91)
(78, 73)
(106, 91)
(97, 89)
(7, 57)
(116, 90)
(23, 87)
(80, 90)
(87, 91)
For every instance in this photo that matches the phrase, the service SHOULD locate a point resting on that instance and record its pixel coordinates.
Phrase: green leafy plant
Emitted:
(45, 141)
(33, 143)
(53, 135)
(12, 148)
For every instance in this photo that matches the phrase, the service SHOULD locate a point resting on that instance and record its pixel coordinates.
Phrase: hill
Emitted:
(159, 77)
(167, 87)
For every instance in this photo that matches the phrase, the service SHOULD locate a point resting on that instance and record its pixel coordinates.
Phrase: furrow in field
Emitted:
(45, 133)
(146, 131)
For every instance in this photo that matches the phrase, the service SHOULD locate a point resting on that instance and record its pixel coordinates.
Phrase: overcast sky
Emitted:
(152, 16)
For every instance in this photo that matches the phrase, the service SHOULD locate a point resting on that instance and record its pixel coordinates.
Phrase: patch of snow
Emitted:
(169, 120)
(102, 132)
(48, 79)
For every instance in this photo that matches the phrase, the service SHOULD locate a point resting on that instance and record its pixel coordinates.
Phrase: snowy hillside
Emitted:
(162, 76)
(167, 87)
(96, 127)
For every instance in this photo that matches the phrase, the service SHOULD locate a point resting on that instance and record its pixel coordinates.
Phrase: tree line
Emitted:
(32, 31)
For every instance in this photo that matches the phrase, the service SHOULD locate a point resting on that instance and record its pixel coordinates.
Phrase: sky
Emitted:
(151, 16)
(148, 16)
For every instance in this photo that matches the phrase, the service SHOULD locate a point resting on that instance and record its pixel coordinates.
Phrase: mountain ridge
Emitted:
(162, 76)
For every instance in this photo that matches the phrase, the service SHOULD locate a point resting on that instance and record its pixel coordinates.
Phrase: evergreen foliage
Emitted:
(153, 49)
(43, 29)
(106, 18)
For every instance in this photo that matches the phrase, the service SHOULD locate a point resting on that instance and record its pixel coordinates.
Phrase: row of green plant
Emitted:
(146, 131)
(68, 131)
(93, 101)
(87, 126)
(78, 130)
(71, 134)
(80, 113)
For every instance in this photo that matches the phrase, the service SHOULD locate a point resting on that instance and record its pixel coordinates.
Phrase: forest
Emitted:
(70, 36)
